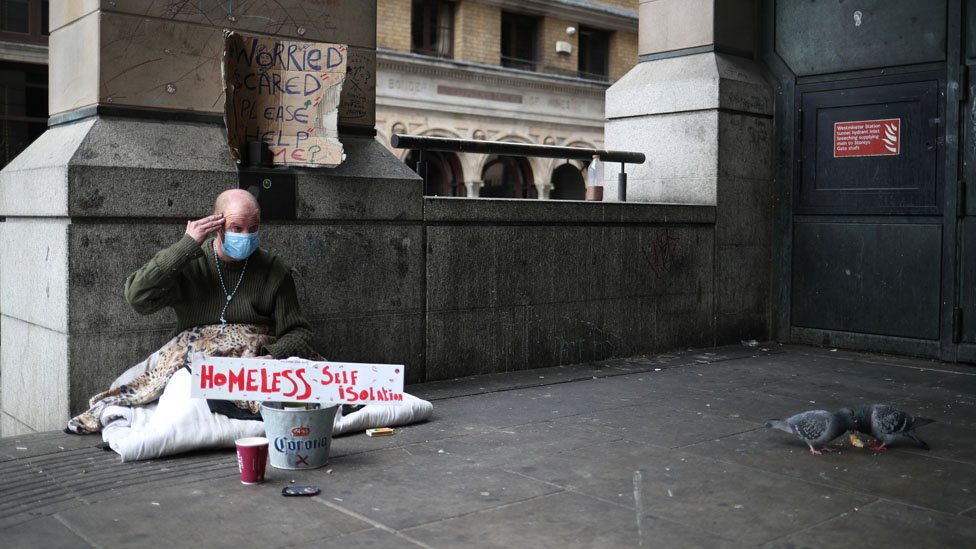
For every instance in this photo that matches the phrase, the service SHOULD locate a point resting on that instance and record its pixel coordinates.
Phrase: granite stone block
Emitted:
(515, 265)
(35, 182)
(742, 279)
(746, 146)
(731, 328)
(34, 268)
(374, 186)
(102, 256)
(353, 269)
(744, 215)
(34, 368)
(501, 211)
(378, 337)
(97, 358)
(351, 22)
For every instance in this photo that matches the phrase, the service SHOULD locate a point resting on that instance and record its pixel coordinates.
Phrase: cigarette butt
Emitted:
(379, 432)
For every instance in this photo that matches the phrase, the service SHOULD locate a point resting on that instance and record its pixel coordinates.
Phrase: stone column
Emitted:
(136, 146)
(544, 189)
(474, 188)
(698, 107)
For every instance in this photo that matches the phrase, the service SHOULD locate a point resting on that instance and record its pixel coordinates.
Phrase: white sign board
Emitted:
(293, 380)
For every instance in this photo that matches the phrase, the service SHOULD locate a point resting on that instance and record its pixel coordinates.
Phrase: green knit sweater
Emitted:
(184, 277)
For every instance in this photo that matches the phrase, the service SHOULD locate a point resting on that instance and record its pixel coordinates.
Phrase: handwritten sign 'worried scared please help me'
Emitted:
(326, 383)
(284, 93)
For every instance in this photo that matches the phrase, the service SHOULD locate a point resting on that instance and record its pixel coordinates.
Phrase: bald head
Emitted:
(238, 201)
(241, 215)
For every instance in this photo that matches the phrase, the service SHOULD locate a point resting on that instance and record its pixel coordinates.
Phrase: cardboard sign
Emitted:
(867, 138)
(284, 93)
(326, 383)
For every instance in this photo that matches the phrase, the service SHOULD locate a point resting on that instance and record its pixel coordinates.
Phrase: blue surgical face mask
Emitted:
(241, 245)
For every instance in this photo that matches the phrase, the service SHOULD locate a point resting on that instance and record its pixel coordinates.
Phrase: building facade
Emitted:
(530, 71)
(23, 75)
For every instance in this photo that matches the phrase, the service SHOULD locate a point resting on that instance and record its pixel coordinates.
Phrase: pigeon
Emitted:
(887, 424)
(815, 427)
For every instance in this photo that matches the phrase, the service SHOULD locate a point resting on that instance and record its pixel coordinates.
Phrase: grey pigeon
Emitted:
(815, 427)
(887, 424)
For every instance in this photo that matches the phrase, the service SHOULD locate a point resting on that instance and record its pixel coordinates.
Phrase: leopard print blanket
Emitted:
(235, 340)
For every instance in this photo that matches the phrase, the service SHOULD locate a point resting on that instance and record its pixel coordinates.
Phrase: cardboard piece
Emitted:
(295, 380)
(286, 94)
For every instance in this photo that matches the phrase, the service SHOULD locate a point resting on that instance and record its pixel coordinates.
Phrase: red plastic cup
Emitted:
(252, 458)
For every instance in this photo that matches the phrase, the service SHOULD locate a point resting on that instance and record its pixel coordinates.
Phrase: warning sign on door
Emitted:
(867, 138)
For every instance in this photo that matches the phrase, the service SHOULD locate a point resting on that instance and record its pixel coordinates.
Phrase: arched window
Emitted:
(508, 177)
(567, 183)
(443, 173)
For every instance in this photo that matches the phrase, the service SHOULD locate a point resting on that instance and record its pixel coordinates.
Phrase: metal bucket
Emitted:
(299, 438)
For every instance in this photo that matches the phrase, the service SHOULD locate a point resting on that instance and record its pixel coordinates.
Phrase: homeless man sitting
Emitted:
(231, 298)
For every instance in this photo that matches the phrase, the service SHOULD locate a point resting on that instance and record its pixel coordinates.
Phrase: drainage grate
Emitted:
(43, 485)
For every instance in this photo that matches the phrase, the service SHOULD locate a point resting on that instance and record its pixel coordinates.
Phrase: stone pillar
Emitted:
(544, 189)
(698, 107)
(136, 146)
(474, 188)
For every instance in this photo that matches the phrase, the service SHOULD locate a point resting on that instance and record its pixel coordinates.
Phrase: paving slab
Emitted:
(384, 486)
(537, 443)
(563, 520)
(663, 450)
(661, 425)
(225, 514)
(40, 444)
(374, 538)
(923, 480)
(885, 524)
(671, 485)
(46, 532)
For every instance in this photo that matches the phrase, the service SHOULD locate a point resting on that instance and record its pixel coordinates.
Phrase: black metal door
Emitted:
(965, 312)
(867, 227)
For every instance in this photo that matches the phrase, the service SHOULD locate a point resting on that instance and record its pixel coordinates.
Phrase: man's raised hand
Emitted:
(200, 228)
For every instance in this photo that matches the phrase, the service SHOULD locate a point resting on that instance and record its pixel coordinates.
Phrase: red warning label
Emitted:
(867, 138)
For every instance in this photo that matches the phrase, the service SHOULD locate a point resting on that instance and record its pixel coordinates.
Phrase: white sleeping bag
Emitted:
(178, 423)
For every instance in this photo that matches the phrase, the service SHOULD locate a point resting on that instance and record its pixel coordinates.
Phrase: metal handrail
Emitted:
(448, 144)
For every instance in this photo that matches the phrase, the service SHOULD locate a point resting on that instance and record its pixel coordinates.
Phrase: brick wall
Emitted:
(623, 53)
(550, 31)
(477, 36)
(477, 32)
(393, 24)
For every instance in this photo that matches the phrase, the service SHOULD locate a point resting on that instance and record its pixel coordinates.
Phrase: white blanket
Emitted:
(178, 423)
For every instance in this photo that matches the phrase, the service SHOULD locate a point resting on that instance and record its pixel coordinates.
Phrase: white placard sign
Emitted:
(326, 383)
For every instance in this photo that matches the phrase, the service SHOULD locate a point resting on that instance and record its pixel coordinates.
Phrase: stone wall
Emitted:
(447, 287)
(523, 284)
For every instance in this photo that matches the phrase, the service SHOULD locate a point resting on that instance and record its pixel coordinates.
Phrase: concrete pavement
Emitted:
(658, 451)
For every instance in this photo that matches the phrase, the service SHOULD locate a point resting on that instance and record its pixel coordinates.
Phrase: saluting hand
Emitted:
(200, 228)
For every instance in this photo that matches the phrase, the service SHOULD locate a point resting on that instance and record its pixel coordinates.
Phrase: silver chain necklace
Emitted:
(230, 295)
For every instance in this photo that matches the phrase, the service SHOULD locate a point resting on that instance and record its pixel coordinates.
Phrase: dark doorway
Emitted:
(567, 183)
(443, 177)
(508, 177)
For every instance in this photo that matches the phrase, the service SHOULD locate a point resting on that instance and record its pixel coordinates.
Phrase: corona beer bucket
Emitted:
(299, 438)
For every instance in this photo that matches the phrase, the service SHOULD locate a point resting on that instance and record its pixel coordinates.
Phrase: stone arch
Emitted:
(508, 177)
(568, 182)
(440, 132)
(444, 172)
